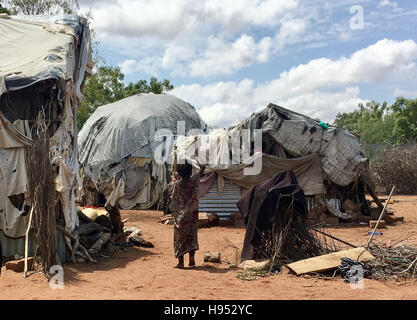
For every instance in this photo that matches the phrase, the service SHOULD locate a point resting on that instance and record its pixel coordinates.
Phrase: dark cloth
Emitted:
(262, 203)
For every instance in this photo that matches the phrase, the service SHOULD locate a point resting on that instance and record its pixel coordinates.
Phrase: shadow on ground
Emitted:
(116, 261)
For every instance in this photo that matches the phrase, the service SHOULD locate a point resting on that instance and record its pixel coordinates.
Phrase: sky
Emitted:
(230, 58)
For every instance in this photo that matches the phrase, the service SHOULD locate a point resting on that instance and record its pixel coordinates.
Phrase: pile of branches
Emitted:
(396, 166)
(42, 195)
(104, 235)
(393, 262)
(290, 239)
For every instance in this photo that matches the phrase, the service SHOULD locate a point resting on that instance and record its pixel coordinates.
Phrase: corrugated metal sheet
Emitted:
(223, 203)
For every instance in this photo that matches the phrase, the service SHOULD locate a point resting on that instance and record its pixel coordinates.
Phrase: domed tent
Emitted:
(118, 144)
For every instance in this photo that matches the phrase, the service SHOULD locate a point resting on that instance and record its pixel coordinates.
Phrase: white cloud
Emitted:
(148, 65)
(169, 19)
(224, 58)
(405, 93)
(320, 88)
(184, 34)
(289, 33)
(387, 3)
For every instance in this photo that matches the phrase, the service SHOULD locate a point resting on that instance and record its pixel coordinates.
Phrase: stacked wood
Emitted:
(166, 219)
(213, 218)
(203, 220)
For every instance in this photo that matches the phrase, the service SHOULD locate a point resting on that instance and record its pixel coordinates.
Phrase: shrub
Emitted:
(397, 165)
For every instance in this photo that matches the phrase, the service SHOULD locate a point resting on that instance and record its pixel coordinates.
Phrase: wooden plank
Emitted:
(328, 261)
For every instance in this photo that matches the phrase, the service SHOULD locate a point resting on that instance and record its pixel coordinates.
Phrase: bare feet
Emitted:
(192, 262)
(180, 264)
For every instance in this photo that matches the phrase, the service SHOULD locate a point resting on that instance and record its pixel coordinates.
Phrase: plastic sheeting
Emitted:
(306, 169)
(13, 178)
(128, 133)
(35, 49)
(341, 156)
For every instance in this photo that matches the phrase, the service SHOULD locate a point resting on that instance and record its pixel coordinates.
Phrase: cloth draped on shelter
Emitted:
(262, 203)
(35, 49)
(13, 178)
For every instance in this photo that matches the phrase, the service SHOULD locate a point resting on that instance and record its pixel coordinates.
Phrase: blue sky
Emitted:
(230, 58)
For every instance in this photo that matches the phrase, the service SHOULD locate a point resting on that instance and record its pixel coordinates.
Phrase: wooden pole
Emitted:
(333, 237)
(27, 242)
(379, 219)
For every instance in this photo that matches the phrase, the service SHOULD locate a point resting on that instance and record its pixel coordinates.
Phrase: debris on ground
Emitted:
(19, 265)
(252, 274)
(352, 270)
(203, 220)
(136, 239)
(166, 219)
(382, 224)
(253, 264)
(213, 257)
(100, 233)
(329, 261)
(393, 262)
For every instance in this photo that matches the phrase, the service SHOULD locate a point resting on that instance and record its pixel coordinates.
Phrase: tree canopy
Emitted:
(38, 7)
(379, 123)
(4, 10)
(107, 86)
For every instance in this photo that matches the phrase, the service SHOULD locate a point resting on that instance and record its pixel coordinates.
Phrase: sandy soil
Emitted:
(142, 273)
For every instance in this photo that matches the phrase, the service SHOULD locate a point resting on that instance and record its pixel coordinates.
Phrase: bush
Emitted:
(397, 165)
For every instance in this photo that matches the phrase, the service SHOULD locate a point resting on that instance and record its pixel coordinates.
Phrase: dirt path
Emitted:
(148, 274)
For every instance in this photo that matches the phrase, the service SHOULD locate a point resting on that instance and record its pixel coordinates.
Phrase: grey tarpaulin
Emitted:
(342, 159)
(131, 130)
(36, 48)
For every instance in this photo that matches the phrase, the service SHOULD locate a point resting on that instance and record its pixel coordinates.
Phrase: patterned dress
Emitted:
(183, 200)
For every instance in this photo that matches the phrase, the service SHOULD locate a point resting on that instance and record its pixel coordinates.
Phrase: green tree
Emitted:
(40, 7)
(4, 10)
(107, 86)
(405, 125)
(373, 122)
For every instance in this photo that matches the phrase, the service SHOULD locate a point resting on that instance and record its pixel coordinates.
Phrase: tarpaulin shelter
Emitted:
(44, 61)
(118, 144)
(326, 160)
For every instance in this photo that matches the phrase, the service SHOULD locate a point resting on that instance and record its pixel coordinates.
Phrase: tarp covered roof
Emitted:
(129, 128)
(39, 48)
(303, 143)
(340, 152)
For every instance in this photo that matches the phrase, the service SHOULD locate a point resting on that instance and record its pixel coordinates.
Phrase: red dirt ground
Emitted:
(141, 273)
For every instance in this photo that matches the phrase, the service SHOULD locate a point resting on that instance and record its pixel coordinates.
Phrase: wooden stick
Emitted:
(409, 267)
(374, 196)
(83, 249)
(379, 219)
(333, 237)
(27, 242)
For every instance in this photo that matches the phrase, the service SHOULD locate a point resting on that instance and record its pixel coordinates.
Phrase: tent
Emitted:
(327, 161)
(124, 147)
(43, 64)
